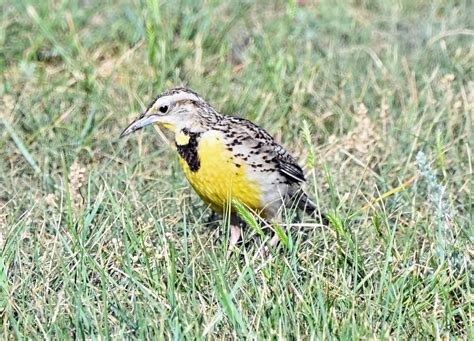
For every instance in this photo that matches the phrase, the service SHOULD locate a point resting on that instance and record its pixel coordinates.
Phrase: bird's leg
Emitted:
(274, 241)
(271, 243)
(234, 233)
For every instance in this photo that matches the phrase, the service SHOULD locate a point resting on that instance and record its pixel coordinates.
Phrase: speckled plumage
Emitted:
(226, 157)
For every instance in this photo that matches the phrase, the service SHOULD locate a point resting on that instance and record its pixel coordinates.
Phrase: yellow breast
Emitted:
(221, 177)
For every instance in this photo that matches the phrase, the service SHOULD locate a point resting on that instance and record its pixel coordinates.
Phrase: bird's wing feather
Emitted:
(288, 165)
(256, 138)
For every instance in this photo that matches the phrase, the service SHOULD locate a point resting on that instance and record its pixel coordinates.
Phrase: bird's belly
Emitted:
(221, 177)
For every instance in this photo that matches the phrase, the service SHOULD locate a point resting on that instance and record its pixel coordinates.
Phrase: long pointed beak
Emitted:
(139, 124)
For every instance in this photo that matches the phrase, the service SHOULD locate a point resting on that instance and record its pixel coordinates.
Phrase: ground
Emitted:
(104, 237)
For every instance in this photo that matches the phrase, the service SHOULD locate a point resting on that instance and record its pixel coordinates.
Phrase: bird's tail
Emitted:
(305, 204)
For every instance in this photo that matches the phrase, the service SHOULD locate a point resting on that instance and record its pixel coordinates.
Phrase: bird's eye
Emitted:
(163, 108)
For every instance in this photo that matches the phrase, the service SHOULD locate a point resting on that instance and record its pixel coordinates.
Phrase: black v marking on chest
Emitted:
(189, 151)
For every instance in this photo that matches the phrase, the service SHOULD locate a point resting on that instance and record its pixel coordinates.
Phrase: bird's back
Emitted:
(241, 161)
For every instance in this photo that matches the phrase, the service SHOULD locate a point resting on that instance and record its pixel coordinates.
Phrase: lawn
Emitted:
(103, 237)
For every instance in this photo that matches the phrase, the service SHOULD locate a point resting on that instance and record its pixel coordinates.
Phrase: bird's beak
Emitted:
(139, 123)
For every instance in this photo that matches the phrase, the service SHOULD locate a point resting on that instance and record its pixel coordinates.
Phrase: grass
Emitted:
(101, 237)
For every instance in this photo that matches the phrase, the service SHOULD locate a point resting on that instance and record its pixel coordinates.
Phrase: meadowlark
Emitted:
(227, 159)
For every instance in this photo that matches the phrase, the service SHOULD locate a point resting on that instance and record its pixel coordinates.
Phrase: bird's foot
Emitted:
(234, 238)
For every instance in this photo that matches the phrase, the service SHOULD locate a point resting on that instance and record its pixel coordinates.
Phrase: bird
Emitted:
(228, 159)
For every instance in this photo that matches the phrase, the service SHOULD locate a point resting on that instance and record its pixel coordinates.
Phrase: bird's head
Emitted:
(174, 109)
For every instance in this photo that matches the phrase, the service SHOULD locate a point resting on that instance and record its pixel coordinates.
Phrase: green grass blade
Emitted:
(249, 218)
(20, 145)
